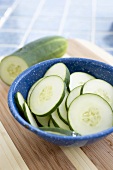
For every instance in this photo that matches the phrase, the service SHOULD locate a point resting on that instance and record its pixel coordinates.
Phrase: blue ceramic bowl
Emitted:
(25, 80)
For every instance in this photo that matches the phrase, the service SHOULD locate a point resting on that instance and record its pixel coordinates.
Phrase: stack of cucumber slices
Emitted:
(63, 103)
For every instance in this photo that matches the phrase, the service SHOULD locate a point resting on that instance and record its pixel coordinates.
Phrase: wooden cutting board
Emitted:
(21, 149)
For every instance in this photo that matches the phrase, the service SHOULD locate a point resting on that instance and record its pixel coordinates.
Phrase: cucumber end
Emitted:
(11, 67)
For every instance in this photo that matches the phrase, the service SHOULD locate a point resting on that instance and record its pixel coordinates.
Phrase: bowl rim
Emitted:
(16, 115)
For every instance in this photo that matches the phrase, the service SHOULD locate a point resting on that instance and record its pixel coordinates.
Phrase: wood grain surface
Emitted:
(39, 154)
(9, 155)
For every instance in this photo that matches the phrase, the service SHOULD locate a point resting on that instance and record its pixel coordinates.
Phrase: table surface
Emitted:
(23, 150)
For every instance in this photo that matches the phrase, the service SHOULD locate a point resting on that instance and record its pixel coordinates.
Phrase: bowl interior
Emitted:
(26, 79)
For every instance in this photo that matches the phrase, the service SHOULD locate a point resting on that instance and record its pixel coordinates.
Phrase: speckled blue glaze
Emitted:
(25, 80)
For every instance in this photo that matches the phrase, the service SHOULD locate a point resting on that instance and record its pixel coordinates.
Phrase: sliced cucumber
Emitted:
(62, 111)
(51, 124)
(90, 113)
(61, 70)
(72, 95)
(31, 89)
(58, 131)
(19, 101)
(47, 95)
(100, 87)
(79, 78)
(43, 120)
(58, 122)
(87, 109)
(28, 115)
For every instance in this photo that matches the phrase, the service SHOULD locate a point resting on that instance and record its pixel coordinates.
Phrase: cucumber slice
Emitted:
(31, 89)
(51, 124)
(19, 101)
(72, 95)
(28, 115)
(58, 122)
(58, 131)
(90, 113)
(47, 95)
(61, 70)
(79, 78)
(62, 111)
(43, 120)
(100, 87)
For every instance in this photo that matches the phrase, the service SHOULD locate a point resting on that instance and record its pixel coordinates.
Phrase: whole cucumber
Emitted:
(32, 53)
